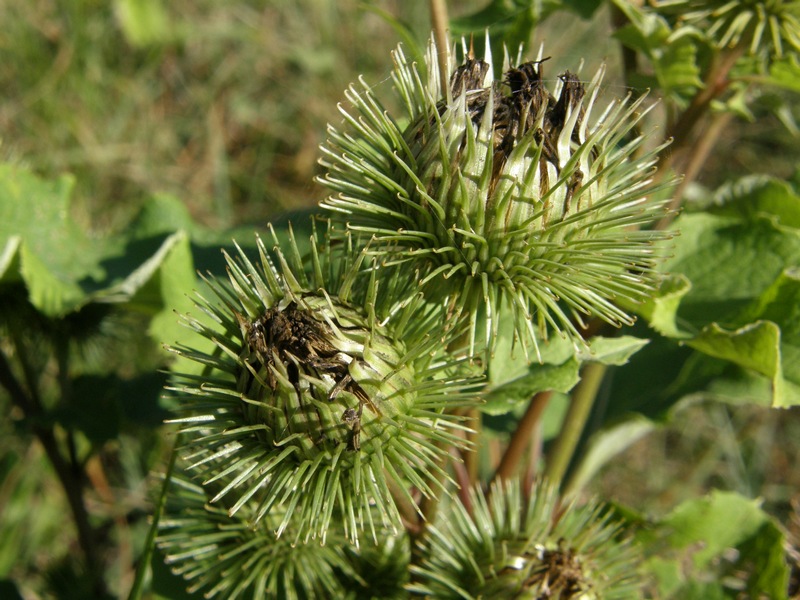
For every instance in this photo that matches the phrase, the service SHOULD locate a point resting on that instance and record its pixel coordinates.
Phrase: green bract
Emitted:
(502, 193)
(771, 25)
(509, 547)
(227, 556)
(319, 395)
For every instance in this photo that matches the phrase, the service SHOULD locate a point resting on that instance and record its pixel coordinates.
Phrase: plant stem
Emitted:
(583, 397)
(29, 404)
(716, 82)
(144, 562)
(521, 437)
(440, 22)
(470, 455)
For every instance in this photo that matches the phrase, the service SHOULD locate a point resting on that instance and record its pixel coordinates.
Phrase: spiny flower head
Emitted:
(507, 547)
(226, 556)
(319, 393)
(503, 193)
(761, 25)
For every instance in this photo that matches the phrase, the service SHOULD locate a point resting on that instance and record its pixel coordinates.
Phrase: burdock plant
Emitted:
(513, 545)
(311, 403)
(515, 192)
(337, 380)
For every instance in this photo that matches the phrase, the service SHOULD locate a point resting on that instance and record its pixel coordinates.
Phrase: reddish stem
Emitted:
(522, 436)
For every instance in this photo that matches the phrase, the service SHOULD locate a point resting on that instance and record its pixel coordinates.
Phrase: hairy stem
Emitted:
(583, 397)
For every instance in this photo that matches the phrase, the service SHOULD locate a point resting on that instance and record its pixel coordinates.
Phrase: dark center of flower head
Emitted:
(298, 341)
(517, 104)
(558, 573)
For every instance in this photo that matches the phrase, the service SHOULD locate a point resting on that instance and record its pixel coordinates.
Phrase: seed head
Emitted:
(319, 394)
(506, 547)
(227, 556)
(506, 194)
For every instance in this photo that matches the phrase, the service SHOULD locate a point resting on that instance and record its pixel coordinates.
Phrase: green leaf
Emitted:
(613, 350)
(742, 262)
(64, 269)
(54, 255)
(513, 377)
(780, 304)
(9, 260)
(538, 378)
(163, 214)
(673, 57)
(755, 346)
(661, 310)
(759, 196)
(730, 262)
(721, 536)
(785, 73)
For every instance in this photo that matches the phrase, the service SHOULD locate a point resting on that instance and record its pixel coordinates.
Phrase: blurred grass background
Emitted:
(220, 104)
(223, 105)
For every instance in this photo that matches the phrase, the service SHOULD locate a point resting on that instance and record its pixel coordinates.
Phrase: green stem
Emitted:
(440, 23)
(583, 397)
(144, 562)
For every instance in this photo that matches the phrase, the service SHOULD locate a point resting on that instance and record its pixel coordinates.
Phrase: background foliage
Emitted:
(140, 137)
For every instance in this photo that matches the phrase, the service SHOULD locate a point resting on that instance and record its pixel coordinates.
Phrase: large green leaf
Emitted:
(706, 543)
(661, 310)
(756, 347)
(730, 262)
(728, 314)
(513, 377)
(65, 268)
(612, 350)
(732, 292)
(758, 195)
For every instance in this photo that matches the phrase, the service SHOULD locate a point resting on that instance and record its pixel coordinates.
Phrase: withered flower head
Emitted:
(318, 395)
(507, 194)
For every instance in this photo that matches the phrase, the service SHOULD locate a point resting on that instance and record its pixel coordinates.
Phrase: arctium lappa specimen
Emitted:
(317, 396)
(519, 194)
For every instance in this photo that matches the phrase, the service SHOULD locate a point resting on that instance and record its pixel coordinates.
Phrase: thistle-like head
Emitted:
(507, 546)
(320, 397)
(519, 193)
